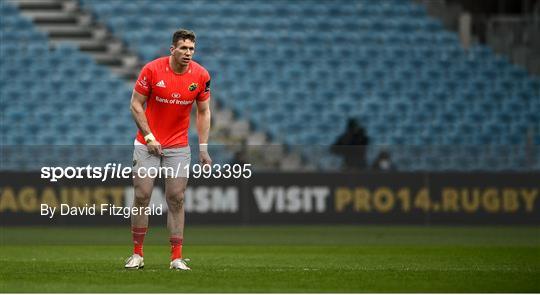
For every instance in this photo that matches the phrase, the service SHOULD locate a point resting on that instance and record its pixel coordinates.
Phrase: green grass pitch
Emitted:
(275, 259)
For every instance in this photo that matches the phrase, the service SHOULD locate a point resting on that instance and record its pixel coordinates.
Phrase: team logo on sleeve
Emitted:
(193, 86)
(143, 82)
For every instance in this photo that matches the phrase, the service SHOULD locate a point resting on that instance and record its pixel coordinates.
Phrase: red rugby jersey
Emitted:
(170, 98)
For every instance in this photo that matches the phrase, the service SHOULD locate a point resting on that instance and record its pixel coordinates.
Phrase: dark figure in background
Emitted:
(383, 162)
(240, 156)
(352, 146)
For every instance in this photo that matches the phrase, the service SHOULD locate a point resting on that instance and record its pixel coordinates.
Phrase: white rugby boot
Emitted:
(135, 262)
(179, 264)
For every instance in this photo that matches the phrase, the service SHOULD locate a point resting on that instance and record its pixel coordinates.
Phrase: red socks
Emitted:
(176, 247)
(138, 234)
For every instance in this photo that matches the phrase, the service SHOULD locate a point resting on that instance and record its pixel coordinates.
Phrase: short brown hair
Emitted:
(183, 34)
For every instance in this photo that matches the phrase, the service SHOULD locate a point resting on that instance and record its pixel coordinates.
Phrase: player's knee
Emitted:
(175, 200)
(142, 198)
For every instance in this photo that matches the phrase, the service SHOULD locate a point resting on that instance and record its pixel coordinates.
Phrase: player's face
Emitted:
(183, 51)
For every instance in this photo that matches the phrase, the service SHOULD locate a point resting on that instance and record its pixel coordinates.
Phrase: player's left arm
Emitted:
(203, 129)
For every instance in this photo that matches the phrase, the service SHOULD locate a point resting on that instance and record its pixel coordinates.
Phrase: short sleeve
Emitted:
(204, 93)
(143, 85)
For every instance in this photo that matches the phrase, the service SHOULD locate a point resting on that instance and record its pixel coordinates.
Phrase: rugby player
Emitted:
(169, 86)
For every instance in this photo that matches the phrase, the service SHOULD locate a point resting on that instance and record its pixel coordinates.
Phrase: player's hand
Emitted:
(204, 158)
(154, 148)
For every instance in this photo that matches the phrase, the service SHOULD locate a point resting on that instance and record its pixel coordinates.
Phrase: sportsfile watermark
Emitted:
(118, 171)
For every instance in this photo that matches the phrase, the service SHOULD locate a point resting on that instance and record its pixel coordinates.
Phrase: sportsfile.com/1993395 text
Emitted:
(118, 171)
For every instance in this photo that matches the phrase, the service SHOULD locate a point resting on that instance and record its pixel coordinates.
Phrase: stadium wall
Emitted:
(287, 198)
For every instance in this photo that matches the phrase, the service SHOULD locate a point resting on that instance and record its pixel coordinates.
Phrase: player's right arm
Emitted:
(137, 111)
